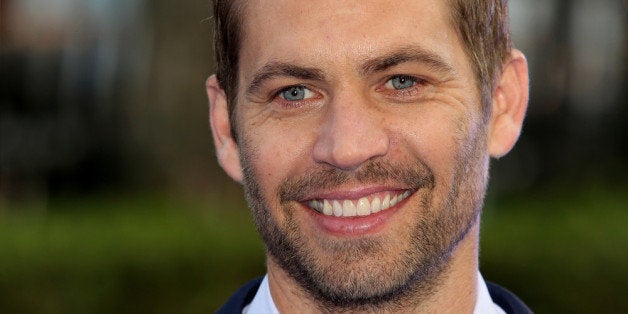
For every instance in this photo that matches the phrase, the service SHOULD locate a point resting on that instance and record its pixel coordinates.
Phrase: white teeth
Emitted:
(337, 209)
(376, 205)
(327, 209)
(386, 201)
(361, 207)
(364, 207)
(393, 201)
(348, 209)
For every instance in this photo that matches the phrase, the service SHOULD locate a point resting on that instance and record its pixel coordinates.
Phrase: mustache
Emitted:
(414, 175)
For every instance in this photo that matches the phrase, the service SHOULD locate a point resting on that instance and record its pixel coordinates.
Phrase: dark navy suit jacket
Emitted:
(509, 302)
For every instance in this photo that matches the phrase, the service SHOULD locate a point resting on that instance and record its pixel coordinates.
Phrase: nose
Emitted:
(353, 131)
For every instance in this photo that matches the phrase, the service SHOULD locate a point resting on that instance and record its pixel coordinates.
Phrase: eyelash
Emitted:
(291, 104)
(419, 83)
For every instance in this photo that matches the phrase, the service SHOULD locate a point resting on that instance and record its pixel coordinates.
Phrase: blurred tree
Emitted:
(67, 69)
(574, 132)
(108, 94)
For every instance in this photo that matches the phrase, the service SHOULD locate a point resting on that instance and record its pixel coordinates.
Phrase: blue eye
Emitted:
(296, 93)
(401, 82)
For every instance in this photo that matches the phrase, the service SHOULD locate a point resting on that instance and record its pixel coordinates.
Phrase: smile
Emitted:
(362, 207)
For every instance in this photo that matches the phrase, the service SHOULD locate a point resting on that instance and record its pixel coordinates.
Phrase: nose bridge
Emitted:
(352, 131)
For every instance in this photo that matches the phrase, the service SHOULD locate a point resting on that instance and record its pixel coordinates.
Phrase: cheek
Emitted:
(429, 135)
(436, 137)
(280, 152)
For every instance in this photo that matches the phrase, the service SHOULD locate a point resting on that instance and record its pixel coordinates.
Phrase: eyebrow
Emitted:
(378, 64)
(282, 69)
(408, 54)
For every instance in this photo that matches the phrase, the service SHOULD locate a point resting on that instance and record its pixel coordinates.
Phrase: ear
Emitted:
(510, 101)
(226, 147)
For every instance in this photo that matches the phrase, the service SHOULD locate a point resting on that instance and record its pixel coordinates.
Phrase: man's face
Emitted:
(361, 141)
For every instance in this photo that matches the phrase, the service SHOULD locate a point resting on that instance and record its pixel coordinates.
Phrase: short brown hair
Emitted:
(227, 39)
(481, 24)
(485, 32)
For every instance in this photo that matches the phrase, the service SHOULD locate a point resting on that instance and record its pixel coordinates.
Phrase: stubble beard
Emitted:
(372, 273)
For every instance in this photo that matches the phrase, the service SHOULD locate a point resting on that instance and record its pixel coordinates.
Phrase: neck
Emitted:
(456, 291)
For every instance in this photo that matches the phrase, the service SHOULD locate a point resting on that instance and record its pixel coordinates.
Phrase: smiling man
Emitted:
(362, 133)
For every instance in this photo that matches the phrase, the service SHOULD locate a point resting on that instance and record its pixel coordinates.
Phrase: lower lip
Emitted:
(355, 226)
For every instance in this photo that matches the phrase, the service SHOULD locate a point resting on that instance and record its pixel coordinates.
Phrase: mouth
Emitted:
(363, 206)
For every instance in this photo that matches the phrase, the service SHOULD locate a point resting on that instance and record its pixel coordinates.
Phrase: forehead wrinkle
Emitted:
(407, 54)
(276, 69)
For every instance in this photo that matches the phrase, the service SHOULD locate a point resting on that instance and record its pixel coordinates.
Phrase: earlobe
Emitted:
(510, 101)
(227, 150)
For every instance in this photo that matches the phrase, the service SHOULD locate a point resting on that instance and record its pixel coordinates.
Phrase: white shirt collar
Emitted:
(484, 304)
(263, 302)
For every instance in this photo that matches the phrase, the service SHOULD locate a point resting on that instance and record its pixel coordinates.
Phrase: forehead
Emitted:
(332, 33)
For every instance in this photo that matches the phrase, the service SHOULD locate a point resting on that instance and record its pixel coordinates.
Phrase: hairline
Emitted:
(484, 86)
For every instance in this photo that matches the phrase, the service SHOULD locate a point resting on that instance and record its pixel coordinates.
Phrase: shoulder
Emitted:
(241, 298)
(507, 300)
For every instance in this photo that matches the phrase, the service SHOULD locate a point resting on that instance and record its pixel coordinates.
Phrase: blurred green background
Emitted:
(111, 200)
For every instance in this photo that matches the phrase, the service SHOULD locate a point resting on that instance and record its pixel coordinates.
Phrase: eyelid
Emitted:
(409, 94)
(284, 89)
(276, 97)
(414, 78)
(418, 83)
